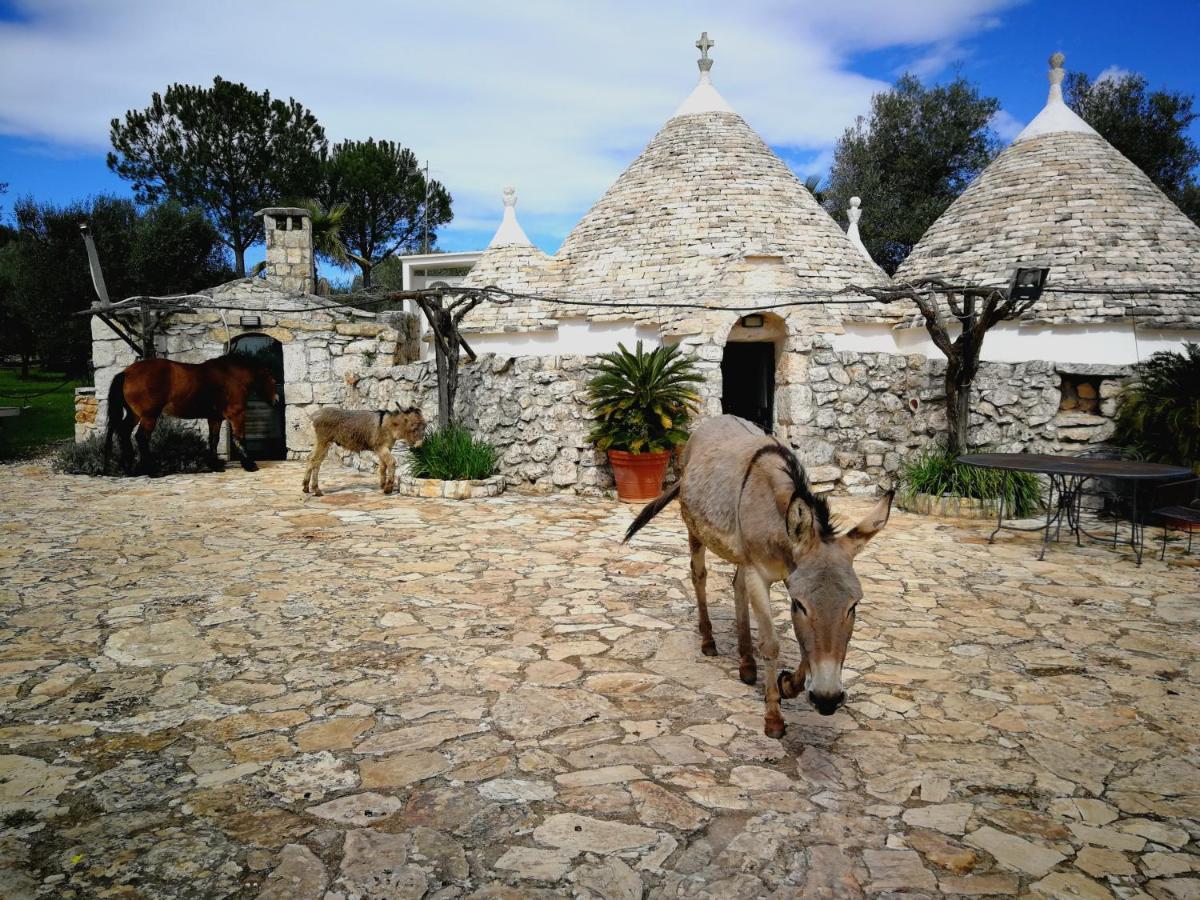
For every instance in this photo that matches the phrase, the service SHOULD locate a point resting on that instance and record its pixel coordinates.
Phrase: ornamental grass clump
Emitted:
(642, 401)
(1158, 415)
(452, 454)
(937, 471)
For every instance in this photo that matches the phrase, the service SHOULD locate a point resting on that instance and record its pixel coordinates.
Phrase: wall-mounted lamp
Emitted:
(250, 321)
(752, 321)
(1027, 284)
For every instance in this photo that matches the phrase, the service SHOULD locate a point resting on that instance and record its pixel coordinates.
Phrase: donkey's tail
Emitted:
(652, 509)
(116, 413)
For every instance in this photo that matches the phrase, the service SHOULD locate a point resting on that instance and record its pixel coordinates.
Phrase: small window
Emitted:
(297, 223)
(281, 223)
(1080, 393)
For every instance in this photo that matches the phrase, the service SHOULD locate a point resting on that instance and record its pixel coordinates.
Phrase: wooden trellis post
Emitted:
(444, 322)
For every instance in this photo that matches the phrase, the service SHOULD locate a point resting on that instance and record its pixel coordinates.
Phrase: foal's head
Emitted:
(407, 425)
(825, 592)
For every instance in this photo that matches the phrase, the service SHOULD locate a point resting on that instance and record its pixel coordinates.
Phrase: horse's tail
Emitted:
(117, 408)
(652, 509)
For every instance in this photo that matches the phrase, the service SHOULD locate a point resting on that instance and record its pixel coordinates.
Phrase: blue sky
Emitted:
(554, 98)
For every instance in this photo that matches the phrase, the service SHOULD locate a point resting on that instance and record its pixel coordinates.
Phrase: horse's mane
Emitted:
(800, 487)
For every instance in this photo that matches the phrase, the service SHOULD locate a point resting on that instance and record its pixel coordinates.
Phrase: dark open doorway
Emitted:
(748, 382)
(266, 436)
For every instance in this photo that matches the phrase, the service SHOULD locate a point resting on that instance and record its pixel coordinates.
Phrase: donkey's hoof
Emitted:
(774, 728)
(709, 647)
(317, 492)
(748, 672)
(250, 466)
(304, 488)
(388, 488)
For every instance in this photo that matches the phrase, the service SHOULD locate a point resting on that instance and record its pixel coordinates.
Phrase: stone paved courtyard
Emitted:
(212, 686)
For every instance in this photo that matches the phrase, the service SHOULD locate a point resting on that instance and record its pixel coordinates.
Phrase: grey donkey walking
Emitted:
(360, 430)
(744, 496)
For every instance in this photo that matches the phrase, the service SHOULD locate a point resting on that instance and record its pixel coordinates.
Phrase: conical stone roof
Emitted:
(1061, 196)
(705, 198)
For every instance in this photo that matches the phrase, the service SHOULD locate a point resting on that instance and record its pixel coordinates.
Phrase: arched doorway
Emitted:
(266, 436)
(752, 351)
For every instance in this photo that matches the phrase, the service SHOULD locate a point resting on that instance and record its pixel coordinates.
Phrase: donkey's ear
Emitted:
(802, 524)
(856, 538)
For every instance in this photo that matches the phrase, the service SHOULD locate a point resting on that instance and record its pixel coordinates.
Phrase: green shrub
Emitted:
(175, 450)
(451, 454)
(1158, 415)
(936, 471)
(642, 401)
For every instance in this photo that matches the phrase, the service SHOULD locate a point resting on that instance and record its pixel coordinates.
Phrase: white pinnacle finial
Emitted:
(510, 232)
(1056, 115)
(705, 97)
(853, 214)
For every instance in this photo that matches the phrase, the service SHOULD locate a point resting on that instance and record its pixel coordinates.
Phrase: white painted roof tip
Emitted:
(853, 214)
(705, 97)
(1056, 116)
(510, 233)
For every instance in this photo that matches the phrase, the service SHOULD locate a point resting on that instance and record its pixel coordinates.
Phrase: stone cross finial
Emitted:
(510, 196)
(1056, 68)
(704, 45)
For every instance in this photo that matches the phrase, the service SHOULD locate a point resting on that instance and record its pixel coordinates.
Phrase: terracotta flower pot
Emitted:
(639, 476)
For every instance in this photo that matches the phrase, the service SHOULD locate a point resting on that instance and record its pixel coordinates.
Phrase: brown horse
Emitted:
(215, 389)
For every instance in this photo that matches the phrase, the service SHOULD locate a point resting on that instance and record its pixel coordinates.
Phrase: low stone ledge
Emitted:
(450, 490)
(948, 507)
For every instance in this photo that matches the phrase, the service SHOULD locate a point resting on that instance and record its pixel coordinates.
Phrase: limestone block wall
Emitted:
(867, 411)
(533, 409)
(324, 353)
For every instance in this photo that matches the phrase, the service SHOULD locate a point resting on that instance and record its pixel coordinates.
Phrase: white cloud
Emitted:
(554, 98)
(1006, 125)
(1113, 73)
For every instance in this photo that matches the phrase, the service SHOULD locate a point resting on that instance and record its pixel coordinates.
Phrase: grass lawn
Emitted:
(46, 420)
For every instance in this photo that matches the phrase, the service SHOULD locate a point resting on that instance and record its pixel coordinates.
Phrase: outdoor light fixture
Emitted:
(1027, 284)
(752, 321)
(250, 321)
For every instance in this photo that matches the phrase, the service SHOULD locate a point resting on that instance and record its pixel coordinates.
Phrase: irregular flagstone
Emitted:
(375, 864)
(416, 737)
(1065, 884)
(299, 876)
(533, 711)
(357, 809)
(333, 734)
(830, 874)
(950, 818)
(1014, 852)
(611, 879)
(658, 806)
(897, 869)
(606, 775)
(401, 770)
(171, 642)
(576, 833)
(535, 864)
(516, 789)
(28, 784)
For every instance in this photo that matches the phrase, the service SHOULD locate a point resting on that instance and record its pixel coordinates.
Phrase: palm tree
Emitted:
(813, 183)
(327, 234)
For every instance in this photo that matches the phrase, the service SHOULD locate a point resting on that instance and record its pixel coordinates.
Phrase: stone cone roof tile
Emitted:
(705, 197)
(1061, 196)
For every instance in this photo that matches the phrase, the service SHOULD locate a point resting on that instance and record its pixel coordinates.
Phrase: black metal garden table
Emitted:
(1067, 475)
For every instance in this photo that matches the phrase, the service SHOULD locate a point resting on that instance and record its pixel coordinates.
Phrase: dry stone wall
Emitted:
(324, 352)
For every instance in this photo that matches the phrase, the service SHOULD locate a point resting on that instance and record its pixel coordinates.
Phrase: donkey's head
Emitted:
(825, 593)
(407, 425)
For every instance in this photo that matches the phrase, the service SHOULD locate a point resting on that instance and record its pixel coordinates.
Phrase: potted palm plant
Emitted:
(642, 403)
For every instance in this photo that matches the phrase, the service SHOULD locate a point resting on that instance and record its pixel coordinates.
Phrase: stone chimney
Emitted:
(289, 247)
